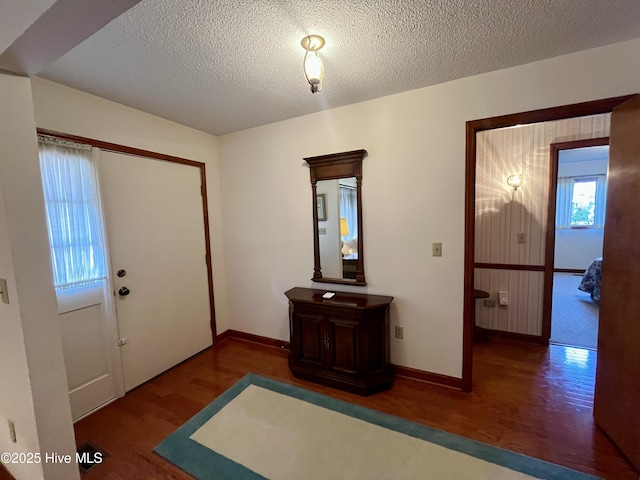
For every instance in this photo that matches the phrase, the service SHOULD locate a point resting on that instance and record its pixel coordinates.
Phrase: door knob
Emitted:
(124, 291)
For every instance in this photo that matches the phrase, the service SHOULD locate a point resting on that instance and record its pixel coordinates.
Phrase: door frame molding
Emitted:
(472, 128)
(550, 240)
(117, 148)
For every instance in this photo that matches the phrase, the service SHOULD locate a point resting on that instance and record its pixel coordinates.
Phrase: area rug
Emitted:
(261, 428)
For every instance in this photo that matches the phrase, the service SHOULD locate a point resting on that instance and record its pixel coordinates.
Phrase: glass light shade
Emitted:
(515, 180)
(313, 68)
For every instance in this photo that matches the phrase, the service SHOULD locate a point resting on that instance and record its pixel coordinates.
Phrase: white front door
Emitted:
(155, 230)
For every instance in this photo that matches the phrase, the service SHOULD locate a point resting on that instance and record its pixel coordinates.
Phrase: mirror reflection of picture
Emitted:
(322, 211)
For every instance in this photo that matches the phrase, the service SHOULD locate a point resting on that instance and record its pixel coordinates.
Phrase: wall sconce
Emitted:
(515, 182)
(313, 67)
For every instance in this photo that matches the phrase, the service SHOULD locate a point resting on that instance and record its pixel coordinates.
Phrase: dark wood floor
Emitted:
(526, 398)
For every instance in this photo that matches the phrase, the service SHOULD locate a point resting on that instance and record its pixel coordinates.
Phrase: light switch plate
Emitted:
(436, 249)
(4, 293)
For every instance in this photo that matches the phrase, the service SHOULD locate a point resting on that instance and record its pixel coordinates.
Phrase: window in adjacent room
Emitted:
(74, 219)
(581, 202)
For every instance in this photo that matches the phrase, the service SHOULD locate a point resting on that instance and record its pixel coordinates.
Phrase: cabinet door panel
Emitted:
(310, 338)
(376, 355)
(344, 351)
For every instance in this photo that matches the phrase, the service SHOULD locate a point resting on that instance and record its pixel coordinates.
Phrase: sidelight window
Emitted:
(74, 220)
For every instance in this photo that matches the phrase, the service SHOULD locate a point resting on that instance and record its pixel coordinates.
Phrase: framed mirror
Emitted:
(336, 188)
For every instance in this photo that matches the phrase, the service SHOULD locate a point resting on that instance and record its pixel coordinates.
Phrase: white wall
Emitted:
(74, 112)
(576, 248)
(413, 195)
(33, 388)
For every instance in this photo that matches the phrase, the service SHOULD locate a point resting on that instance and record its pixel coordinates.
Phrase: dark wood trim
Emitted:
(207, 241)
(406, 372)
(518, 337)
(117, 148)
(422, 376)
(468, 324)
(568, 270)
(250, 337)
(550, 240)
(338, 281)
(332, 167)
(223, 336)
(472, 128)
(510, 266)
(549, 114)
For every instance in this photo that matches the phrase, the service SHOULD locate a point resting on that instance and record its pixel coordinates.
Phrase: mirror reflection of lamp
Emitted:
(515, 181)
(344, 231)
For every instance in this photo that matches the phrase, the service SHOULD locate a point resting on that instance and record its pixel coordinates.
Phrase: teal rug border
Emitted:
(205, 464)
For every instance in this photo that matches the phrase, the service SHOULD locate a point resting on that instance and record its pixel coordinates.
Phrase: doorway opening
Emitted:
(540, 268)
(577, 220)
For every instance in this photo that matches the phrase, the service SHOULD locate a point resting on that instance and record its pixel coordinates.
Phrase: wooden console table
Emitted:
(342, 342)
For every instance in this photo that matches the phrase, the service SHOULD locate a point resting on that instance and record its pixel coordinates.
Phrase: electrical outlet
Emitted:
(503, 298)
(522, 238)
(322, 231)
(399, 331)
(436, 249)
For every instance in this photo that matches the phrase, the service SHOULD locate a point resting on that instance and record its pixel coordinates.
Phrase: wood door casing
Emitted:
(617, 391)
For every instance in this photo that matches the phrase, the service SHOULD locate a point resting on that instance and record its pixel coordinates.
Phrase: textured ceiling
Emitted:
(226, 65)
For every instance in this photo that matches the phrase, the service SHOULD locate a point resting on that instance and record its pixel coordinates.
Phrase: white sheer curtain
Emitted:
(563, 202)
(349, 210)
(601, 201)
(74, 219)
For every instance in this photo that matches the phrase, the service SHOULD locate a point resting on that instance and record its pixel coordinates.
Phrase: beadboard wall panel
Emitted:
(523, 314)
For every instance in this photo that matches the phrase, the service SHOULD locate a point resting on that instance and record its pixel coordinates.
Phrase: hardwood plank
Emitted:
(527, 398)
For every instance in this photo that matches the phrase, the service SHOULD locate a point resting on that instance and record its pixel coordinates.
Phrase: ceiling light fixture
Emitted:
(313, 68)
